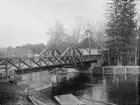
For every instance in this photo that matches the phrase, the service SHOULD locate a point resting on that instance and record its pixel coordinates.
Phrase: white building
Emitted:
(89, 46)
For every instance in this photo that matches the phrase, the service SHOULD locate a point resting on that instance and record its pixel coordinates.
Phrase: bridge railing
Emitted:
(20, 63)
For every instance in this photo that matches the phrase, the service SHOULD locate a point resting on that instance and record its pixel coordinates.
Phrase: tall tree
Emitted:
(57, 34)
(121, 28)
(138, 28)
(77, 32)
(137, 45)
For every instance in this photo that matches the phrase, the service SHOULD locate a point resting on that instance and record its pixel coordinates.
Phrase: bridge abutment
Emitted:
(36, 80)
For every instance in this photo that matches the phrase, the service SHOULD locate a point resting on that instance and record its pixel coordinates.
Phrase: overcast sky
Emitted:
(27, 21)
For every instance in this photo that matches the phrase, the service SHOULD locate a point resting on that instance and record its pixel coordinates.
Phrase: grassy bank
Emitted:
(12, 94)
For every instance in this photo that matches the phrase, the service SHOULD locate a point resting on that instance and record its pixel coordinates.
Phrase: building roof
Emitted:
(85, 44)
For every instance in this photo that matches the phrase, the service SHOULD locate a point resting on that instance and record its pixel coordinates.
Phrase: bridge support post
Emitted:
(93, 65)
(90, 70)
(103, 70)
(6, 70)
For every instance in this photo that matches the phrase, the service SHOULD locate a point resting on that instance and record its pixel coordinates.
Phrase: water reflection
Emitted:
(71, 84)
(102, 90)
(123, 91)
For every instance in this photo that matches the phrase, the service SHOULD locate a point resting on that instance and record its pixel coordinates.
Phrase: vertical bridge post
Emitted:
(6, 70)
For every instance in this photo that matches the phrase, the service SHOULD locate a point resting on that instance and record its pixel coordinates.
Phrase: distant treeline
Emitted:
(22, 50)
(35, 48)
(2, 51)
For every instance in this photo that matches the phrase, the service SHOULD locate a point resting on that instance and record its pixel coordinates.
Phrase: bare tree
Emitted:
(57, 34)
(78, 30)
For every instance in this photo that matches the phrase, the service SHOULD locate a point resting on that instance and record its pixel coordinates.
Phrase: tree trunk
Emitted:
(119, 60)
(135, 55)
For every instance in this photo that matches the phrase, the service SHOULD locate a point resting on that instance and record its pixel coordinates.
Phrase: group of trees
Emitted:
(60, 36)
(23, 50)
(122, 32)
(35, 48)
(2, 52)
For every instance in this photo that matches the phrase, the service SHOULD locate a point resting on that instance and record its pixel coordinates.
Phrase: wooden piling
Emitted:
(6, 70)
(114, 71)
(125, 71)
(103, 70)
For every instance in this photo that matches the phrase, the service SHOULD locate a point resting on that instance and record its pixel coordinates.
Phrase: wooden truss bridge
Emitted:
(46, 59)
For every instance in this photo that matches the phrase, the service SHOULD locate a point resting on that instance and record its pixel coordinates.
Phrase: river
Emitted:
(96, 89)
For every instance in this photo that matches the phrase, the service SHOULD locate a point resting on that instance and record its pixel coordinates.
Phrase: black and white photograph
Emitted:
(69, 52)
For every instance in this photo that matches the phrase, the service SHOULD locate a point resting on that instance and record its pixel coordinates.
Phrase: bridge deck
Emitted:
(21, 65)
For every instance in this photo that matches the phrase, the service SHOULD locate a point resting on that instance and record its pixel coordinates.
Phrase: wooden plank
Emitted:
(32, 100)
(43, 61)
(58, 52)
(36, 101)
(2, 67)
(50, 59)
(79, 52)
(68, 99)
(25, 63)
(13, 64)
(57, 60)
(64, 59)
(2, 62)
(36, 62)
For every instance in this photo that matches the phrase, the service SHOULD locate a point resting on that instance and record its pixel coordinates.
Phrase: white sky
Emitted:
(27, 21)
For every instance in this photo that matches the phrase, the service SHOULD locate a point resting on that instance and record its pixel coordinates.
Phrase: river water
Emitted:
(96, 89)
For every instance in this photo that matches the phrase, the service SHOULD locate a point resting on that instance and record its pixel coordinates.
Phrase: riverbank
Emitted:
(12, 94)
(117, 70)
(16, 94)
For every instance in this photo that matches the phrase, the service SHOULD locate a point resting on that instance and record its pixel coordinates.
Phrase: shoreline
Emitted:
(116, 70)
